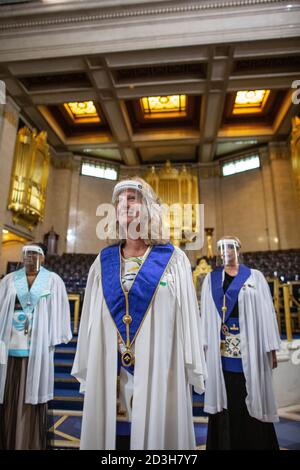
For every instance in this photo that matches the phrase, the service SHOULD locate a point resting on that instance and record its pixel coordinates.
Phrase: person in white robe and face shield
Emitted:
(240, 337)
(34, 318)
(140, 322)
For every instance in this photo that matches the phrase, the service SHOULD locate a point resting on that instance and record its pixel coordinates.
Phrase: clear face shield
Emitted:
(32, 256)
(228, 253)
(131, 210)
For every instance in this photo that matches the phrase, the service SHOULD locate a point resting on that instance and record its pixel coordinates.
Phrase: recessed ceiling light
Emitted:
(82, 111)
(170, 106)
(250, 101)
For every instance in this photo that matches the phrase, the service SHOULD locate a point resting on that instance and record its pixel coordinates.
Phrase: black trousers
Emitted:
(122, 442)
(234, 428)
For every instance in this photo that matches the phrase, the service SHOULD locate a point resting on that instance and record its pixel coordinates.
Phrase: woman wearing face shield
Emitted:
(240, 337)
(34, 318)
(140, 321)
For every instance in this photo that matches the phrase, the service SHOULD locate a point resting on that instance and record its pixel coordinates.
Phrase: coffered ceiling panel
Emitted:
(133, 87)
(174, 153)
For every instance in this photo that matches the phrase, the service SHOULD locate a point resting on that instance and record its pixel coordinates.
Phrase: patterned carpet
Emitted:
(65, 411)
(64, 429)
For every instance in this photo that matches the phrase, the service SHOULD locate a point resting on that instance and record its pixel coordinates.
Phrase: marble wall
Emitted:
(285, 197)
(259, 206)
(88, 193)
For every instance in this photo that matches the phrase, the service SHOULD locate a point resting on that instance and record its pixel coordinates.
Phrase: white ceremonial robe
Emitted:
(169, 358)
(51, 326)
(259, 336)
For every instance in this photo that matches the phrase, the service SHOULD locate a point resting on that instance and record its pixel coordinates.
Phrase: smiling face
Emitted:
(128, 206)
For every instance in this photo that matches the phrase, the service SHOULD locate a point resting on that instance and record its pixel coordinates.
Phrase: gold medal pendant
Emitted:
(224, 328)
(127, 358)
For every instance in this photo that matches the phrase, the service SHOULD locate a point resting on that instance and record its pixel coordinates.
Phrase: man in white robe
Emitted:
(259, 339)
(44, 323)
(168, 361)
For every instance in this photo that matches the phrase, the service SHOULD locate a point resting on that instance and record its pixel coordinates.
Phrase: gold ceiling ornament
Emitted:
(177, 187)
(82, 112)
(295, 152)
(250, 101)
(159, 107)
(29, 178)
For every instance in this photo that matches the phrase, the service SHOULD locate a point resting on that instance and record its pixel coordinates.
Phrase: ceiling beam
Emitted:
(50, 33)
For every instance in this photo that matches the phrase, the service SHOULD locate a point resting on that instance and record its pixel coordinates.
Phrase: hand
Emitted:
(274, 360)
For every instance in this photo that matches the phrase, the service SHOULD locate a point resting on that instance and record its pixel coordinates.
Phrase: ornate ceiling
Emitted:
(52, 54)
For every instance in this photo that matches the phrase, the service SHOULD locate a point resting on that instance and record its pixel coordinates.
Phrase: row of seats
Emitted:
(73, 268)
(284, 264)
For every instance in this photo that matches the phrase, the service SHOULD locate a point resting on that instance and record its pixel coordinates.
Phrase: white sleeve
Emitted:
(190, 317)
(271, 335)
(91, 305)
(5, 297)
(59, 310)
(205, 310)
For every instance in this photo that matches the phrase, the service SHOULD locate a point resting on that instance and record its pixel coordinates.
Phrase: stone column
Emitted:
(73, 208)
(272, 223)
(57, 207)
(8, 133)
(295, 153)
(285, 196)
(61, 200)
(208, 182)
